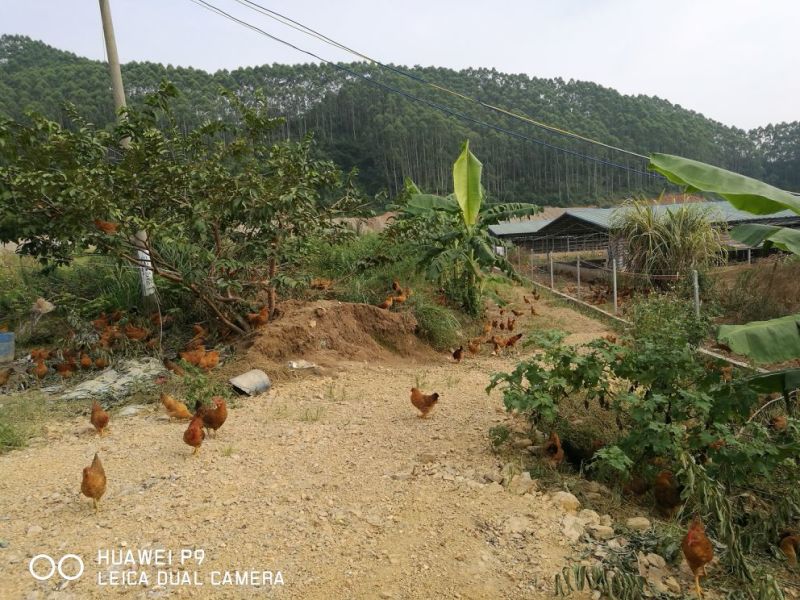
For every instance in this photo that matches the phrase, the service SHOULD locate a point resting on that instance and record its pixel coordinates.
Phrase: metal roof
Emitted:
(719, 212)
(518, 227)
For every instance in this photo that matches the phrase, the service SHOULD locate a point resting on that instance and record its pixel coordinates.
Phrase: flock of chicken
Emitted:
(93, 484)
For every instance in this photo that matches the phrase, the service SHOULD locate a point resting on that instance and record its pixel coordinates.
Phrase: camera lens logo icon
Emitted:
(37, 573)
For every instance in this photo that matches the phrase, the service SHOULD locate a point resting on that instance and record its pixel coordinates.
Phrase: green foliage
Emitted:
(387, 137)
(452, 233)
(669, 242)
(498, 435)
(363, 269)
(770, 341)
(222, 199)
(762, 341)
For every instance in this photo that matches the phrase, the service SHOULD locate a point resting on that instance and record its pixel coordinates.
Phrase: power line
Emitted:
(276, 16)
(436, 105)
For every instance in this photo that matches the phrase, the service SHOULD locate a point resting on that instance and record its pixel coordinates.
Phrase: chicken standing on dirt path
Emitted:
(213, 418)
(698, 551)
(175, 408)
(99, 418)
(458, 354)
(93, 484)
(423, 402)
(194, 434)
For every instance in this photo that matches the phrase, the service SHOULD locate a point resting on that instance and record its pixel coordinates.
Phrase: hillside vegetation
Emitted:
(386, 136)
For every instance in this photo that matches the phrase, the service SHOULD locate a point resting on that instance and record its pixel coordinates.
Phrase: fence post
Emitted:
(749, 260)
(550, 260)
(579, 276)
(532, 268)
(614, 280)
(696, 285)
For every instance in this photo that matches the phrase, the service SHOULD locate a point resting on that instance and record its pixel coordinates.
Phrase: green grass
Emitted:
(23, 416)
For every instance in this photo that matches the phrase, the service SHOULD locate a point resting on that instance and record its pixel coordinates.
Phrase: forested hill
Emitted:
(388, 137)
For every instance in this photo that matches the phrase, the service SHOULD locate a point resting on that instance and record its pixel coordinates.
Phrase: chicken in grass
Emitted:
(698, 551)
(100, 362)
(194, 434)
(401, 297)
(174, 367)
(474, 346)
(458, 354)
(213, 418)
(789, 542)
(487, 328)
(99, 418)
(553, 452)
(41, 369)
(258, 319)
(512, 341)
(137, 334)
(209, 360)
(396, 286)
(387, 304)
(778, 423)
(667, 493)
(5, 375)
(86, 361)
(175, 408)
(423, 402)
(93, 484)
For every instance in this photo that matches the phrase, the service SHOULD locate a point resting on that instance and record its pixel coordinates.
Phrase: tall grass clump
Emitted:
(667, 242)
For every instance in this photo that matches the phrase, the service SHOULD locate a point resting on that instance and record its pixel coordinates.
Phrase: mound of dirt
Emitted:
(328, 331)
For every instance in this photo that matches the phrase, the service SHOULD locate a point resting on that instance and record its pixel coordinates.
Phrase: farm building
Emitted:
(582, 229)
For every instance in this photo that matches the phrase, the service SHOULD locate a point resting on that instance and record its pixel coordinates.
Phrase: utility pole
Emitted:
(113, 58)
(140, 239)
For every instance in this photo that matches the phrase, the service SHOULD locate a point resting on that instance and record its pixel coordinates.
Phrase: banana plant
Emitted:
(461, 252)
(763, 341)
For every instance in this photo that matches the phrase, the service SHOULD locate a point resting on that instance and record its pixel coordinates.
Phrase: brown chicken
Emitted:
(175, 408)
(458, 354)
(137, 334)
(525, 300)
(387, 304)
(5, 375)
(533, 312)
(38, 354)
(510, 324)
(423, 402)
(86, 361)
(209, 360)
(554, 453)
(175, 368)
(101, 322)
(636, 486)
(396, 286)
(106, 226)
(512, 341)
(474, 346)
(99, 418)
(789, 542)
(698, 551)
(535, 294)
(193, 357)
(487, 328)
(214, 418)
(93, 484)
(194, 434)
(400, 298)
(116, 315)
(260, 318)
(778, 423)
(66, 369)
(162, 322)
(40, 370)
(517, 313)
(667, 493)
(100, 362)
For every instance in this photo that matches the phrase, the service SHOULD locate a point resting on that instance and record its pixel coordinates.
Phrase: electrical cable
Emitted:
(436, 105)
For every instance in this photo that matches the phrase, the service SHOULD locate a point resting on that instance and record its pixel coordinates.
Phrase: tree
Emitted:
(457, 250)
(223, 207)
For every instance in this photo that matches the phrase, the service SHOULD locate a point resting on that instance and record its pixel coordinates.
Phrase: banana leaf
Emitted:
(770, 341)
(745, 193)
(754, 234)
(777, 381)
(467, 185)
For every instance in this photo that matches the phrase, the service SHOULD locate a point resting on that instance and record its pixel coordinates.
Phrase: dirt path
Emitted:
(332, 481)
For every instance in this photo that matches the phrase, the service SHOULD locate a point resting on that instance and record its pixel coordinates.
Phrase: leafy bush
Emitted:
(673, 406)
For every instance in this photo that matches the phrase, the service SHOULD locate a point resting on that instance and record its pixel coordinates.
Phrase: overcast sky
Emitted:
(736, 61)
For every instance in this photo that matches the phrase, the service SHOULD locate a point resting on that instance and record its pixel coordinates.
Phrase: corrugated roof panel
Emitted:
(518, 227)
